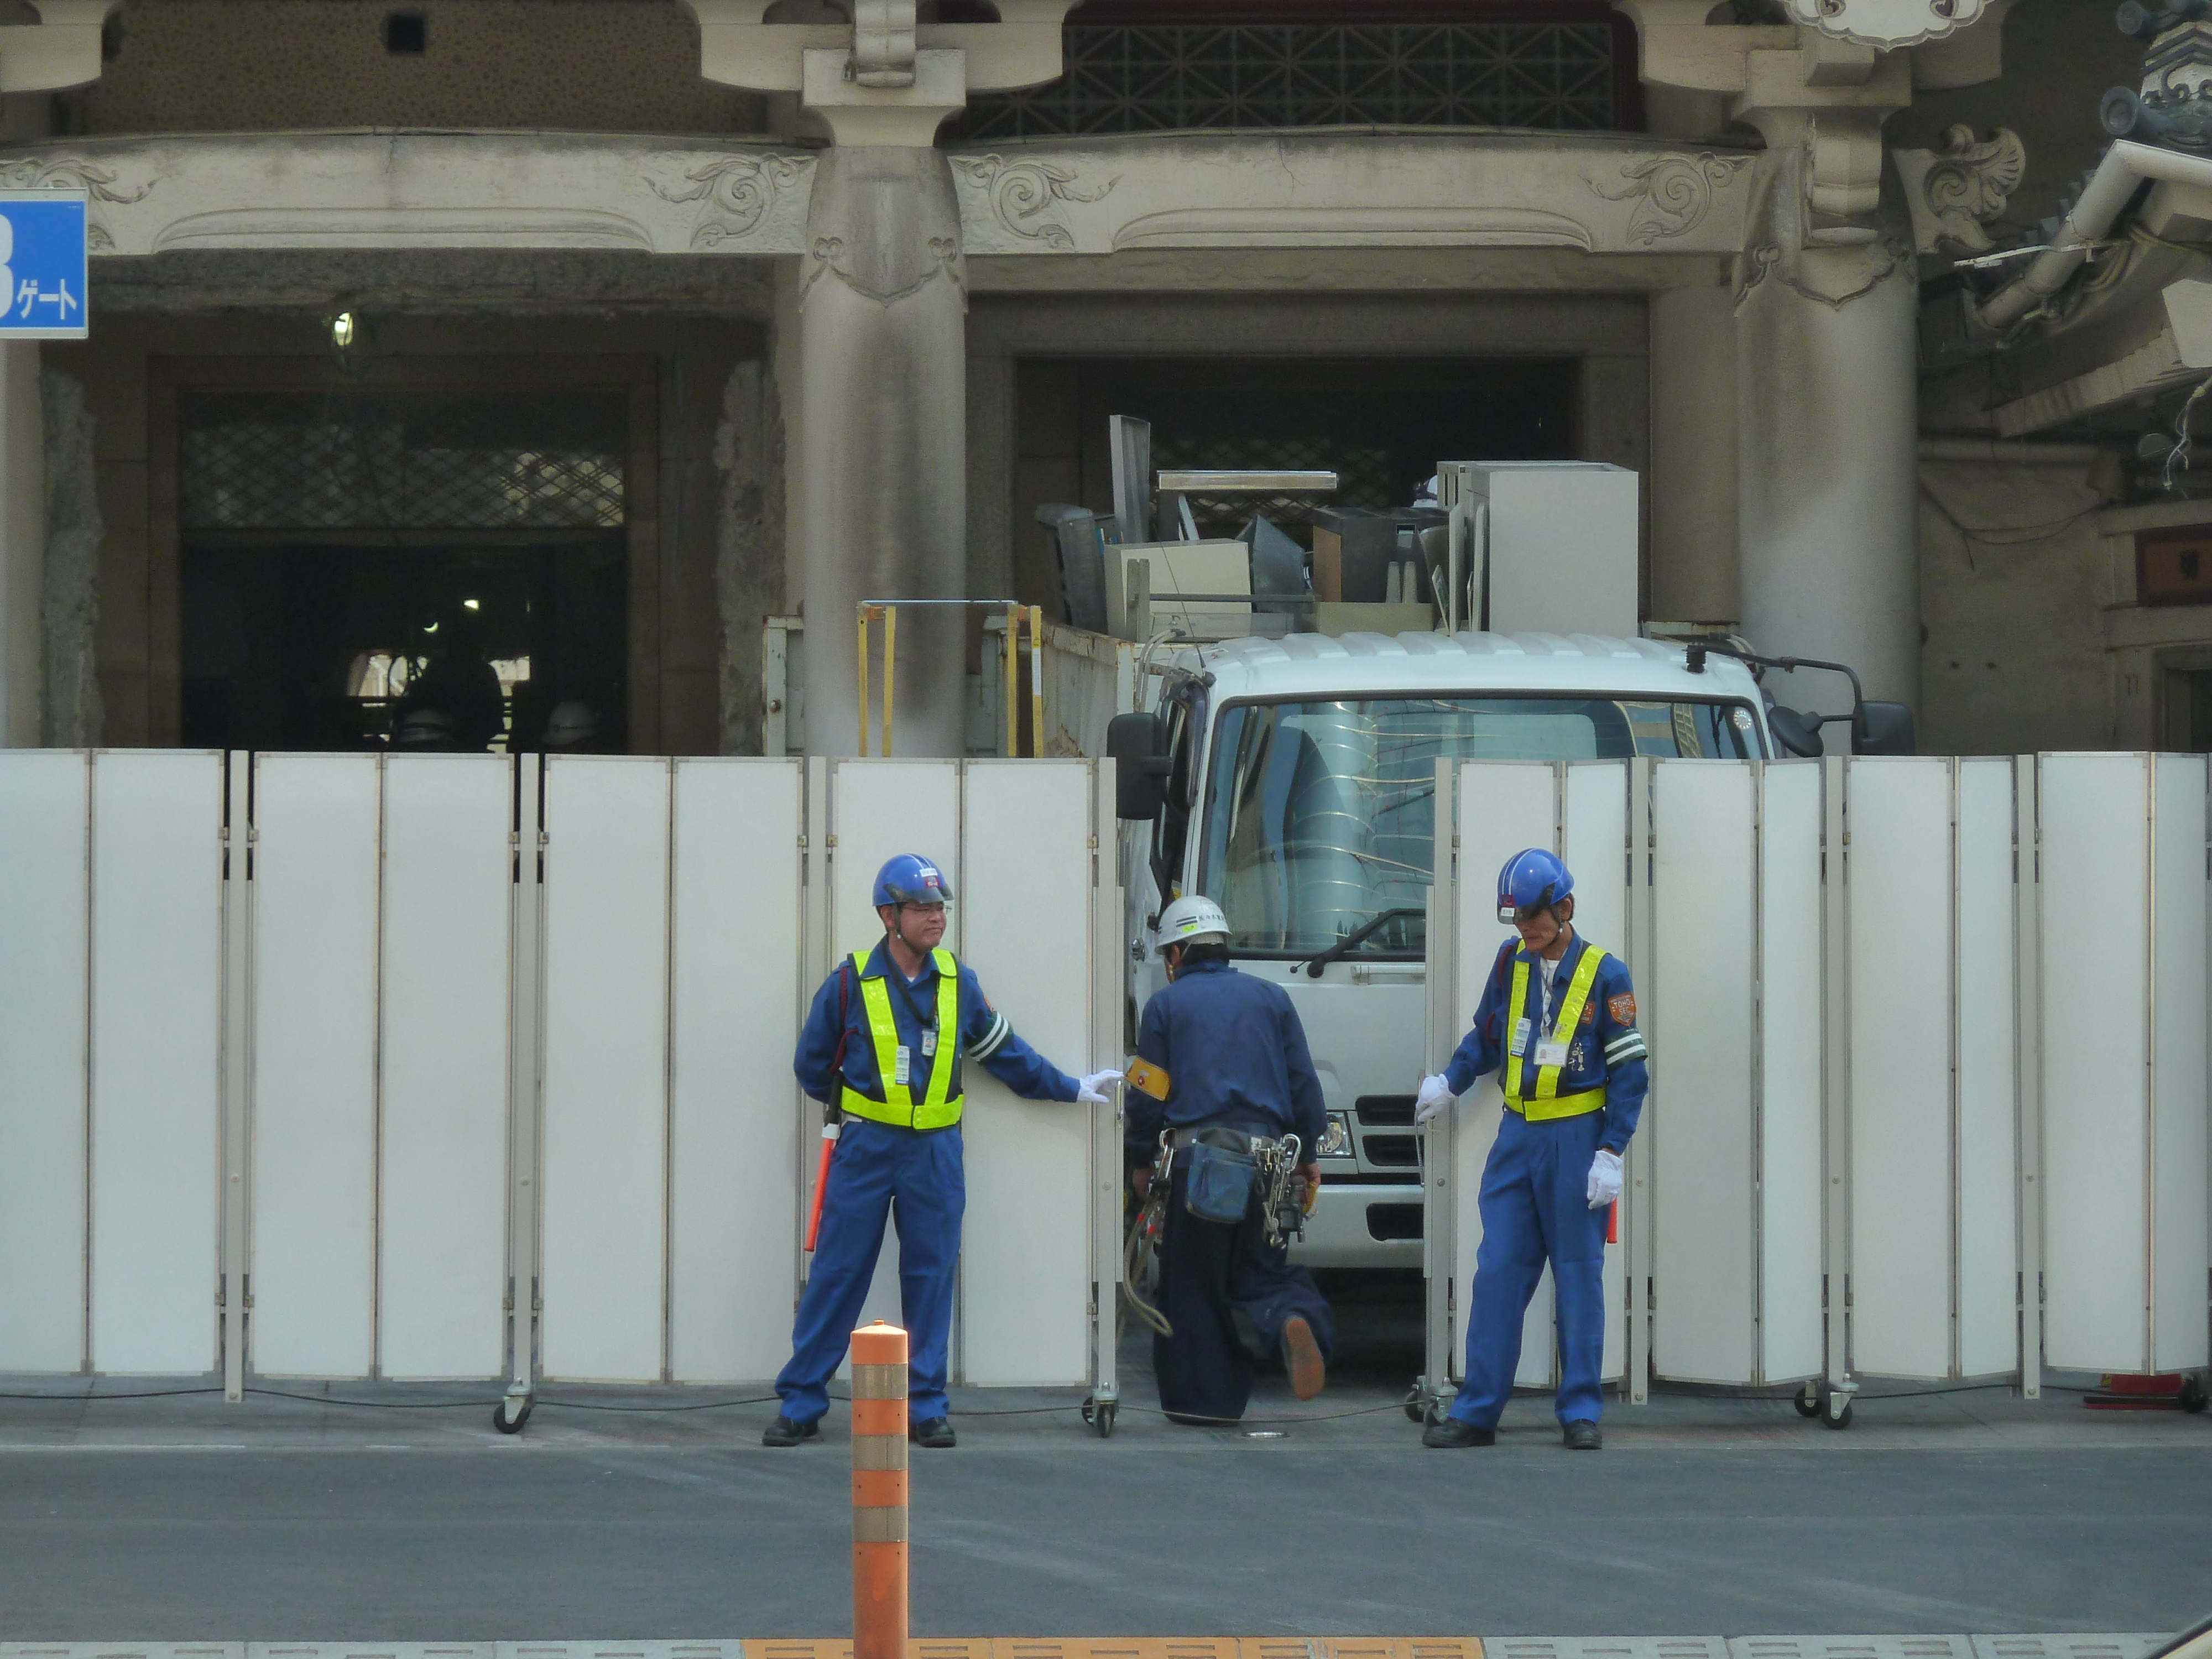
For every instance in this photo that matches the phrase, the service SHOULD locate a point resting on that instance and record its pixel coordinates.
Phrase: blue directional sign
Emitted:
(42, 264)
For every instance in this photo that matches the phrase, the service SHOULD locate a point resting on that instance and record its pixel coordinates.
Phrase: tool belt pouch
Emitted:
(1218, 1186)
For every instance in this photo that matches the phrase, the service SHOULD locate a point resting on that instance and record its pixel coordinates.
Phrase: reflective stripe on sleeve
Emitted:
(992, 1040)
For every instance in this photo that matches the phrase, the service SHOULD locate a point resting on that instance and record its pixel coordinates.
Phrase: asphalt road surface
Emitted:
(184, 1518)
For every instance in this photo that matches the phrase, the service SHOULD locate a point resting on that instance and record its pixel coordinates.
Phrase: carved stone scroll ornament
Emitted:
(1673, 193)
(1887, 24)
(737, 191)
(1020, 193)
(97, 182)
(1957, 190)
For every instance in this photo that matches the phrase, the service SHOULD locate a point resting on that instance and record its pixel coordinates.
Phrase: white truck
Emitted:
(1289, 776)
(1291, 780)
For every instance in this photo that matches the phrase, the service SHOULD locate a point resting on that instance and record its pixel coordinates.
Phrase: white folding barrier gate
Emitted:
(448, 1066)
(1929, 1076)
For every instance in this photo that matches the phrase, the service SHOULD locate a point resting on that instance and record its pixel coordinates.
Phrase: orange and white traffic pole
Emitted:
(879, 1493)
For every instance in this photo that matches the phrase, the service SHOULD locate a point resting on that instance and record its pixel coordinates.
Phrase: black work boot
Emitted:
(1582, 1435)
(1451, 1432)
(936, 1433)
(784, 1432)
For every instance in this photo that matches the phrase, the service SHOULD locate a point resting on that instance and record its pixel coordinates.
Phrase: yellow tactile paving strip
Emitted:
(1149, 1647)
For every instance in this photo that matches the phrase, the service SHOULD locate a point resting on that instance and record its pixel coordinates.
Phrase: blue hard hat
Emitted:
(1532, 879)
(909, 879)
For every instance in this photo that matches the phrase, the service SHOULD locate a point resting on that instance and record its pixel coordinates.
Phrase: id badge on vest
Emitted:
(1551, 1054)
(1519, 1044)
(903, 1065)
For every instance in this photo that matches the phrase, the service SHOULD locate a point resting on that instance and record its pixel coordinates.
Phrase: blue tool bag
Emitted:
(1218, 1185)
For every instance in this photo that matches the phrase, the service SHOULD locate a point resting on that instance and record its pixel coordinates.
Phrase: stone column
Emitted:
(22, 544)
(1694, 456)
(1827, 410)
(882, 431)
(1827, 397)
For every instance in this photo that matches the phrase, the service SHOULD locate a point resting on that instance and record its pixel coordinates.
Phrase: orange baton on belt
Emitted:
(879, 1508)
(821, 1185)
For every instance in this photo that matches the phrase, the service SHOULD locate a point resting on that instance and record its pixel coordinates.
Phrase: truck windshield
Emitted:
(1318, 814)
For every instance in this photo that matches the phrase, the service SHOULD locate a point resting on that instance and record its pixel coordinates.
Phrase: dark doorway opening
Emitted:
(448, 643)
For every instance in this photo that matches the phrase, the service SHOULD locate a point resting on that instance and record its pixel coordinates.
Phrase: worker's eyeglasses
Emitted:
(1522, 916)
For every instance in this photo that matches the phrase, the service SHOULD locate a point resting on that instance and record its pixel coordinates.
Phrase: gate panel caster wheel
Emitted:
(1106, 1413)
(1415, 1412)
(1807, 1399)
(500, 1420)
(1838, 1412)
(2193, 1396)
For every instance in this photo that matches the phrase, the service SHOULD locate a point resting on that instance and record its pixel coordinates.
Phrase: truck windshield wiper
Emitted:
(1358, 936)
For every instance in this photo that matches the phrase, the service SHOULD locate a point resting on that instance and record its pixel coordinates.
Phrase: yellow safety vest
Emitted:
(938, 1109)
(1546, 1102)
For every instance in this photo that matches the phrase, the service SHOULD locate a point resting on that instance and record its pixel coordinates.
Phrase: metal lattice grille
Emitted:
(1551, 77)
(257, 461)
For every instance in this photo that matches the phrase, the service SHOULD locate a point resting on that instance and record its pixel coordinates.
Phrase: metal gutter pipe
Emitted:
(2125, 168)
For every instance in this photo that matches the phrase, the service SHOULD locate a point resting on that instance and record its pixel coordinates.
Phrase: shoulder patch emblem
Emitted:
(1589, 1014)
(1622, 1008)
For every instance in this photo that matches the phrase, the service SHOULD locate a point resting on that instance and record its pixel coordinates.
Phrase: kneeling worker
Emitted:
(1560, 1016)
(1237, 1067)
(885, 1040)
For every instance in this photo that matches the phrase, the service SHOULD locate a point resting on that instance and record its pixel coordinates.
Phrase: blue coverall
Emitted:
(879, 1169)
(1534, 1198)
(1235, 1056)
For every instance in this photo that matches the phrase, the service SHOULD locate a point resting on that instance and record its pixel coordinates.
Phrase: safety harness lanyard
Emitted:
(1546, 1102)
(940, 1107)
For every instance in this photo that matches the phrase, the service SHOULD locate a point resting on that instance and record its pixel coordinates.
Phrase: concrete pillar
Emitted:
(1828, 422)
(22, 544)
(882, 436)
(1694, 456)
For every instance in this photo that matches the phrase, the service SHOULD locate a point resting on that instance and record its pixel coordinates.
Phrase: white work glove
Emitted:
(1435, 1095)
(1092, 1090)
(1604, 1179)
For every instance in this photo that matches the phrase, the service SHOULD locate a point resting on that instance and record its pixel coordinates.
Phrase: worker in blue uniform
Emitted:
(1559, 1016)
(1224, 1059)
(885, 1043)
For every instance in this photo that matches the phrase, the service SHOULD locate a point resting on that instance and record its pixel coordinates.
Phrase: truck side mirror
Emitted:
(1798, 734)
(1139, 745)
(1882, 728)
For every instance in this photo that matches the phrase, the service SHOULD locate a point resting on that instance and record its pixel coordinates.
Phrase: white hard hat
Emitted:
(1193, 920)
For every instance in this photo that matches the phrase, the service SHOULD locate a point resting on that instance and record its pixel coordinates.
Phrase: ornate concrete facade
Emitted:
(1768, 234)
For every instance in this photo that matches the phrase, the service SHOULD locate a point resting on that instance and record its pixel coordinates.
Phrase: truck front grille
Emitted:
(1389, 1222)
(1384, 1111)
(1392, 1151)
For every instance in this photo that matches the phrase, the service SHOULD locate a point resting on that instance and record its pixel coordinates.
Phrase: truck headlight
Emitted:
(1336, 1139)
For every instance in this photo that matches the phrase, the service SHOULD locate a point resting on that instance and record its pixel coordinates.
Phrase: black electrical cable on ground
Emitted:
(544, 1401)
